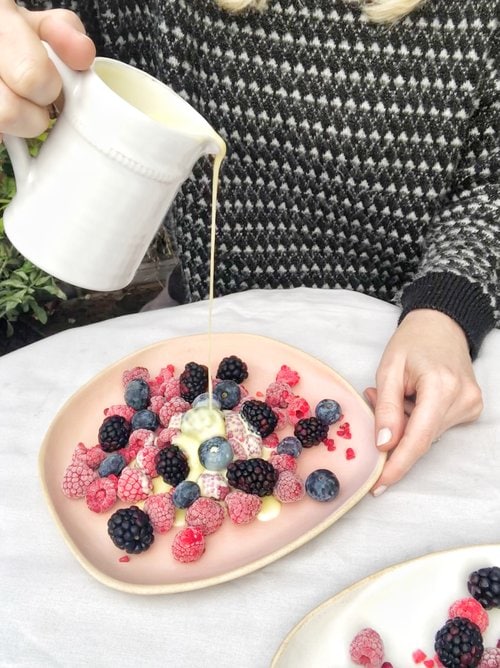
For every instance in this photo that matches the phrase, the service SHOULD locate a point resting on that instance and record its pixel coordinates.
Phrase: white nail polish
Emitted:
(380, 490)
(384, 436)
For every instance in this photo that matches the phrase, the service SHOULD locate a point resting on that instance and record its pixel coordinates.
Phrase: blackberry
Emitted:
(193, 381)
(172, 465)
(260, 416)
(114, 433)
(484, 586)
(232, 368)
(131, 530)
(253, 476)
(459, 643)
(310, 431)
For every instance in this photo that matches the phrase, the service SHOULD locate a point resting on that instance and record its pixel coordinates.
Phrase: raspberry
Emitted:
(490, 658)
(94, 456)
(79, 455)
(101, 494)
(121, 410)
(171, 408)
(161, 512)
(139, 438)
(146, 460)
(282, 416)
(289, 487)
(242, 508)
(133, 485)
(137, 372)
(213, 485)
(271, 441)
(283, 462)
(367, 649)
(77, 479)
(470, 609)
(171, 388)
(287, 375)
(235, 426)
(206, 515)
(188, 545)
(278, 394)
(165, 436)
(155, 403)
(297, 409)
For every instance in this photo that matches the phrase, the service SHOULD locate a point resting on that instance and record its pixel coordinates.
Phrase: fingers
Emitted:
(19, 116)
(389, 407)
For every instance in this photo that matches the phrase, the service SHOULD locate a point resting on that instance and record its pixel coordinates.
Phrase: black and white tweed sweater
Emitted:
(359, 156)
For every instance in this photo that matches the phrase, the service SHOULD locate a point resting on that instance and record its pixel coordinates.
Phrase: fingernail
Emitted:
(380, 490)
(384, 436)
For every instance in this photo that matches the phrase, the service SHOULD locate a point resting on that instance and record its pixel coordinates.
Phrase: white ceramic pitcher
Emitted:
(89, 205)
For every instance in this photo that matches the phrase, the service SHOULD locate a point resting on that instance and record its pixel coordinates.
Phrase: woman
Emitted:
(360, 155)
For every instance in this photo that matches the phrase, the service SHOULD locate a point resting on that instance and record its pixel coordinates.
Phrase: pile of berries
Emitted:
(459, 642)
(138, 444)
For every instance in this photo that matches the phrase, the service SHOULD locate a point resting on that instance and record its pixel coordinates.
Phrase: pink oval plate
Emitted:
(233, 550)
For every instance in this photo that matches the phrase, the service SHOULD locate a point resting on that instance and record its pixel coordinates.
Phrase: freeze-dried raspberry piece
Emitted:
(242, 507)
(101, 494)
(367, 649)
(287, 375)
(135, 373)
(161, 511)
(205, 514)
(188, 545)
(133, 485)
(278, 394)
(297, 409)
(146, 460)
(289, 487)
(470, 609)
(283, 462)
(77, 479)
(172, 407)
(490, 658)
(213, 485)
(122, 410)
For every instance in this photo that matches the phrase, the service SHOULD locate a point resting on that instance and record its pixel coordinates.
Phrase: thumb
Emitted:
(389, 411)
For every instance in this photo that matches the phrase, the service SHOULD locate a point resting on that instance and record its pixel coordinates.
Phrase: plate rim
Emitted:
(360, 584)
(165, 588)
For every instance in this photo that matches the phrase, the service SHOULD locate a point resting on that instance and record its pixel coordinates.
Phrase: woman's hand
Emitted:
(29, 82)
(425, 385)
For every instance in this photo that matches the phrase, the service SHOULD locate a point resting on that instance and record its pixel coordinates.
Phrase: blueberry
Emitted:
(228, 393)
(185, 494)
(112, 465)
(215, 453)
(137, 394)
(203, 401)
(328, 411)
(145, 420)
(290, 445)
(322, 485)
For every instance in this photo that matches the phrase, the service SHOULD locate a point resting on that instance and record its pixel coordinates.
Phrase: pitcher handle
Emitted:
(17, 147)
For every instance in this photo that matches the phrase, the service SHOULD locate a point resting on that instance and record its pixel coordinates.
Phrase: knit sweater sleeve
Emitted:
(459, 273)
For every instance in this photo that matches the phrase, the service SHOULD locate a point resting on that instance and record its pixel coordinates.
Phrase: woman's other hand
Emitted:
(29, 82)
(425, 385)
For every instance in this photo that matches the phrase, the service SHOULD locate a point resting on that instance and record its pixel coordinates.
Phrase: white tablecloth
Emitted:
(53, 613)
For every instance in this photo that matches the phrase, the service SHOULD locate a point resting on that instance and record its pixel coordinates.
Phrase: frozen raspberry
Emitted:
(155, 403)
(271, 441)
(171, 388)
(235, 426)
(77, 479)
(252, 444)
(165, 437)
(472, 610)
(213, 485)
(242, 507)
(283, 462)
(171, 408)
(146, 460)
(138, 439)
(95, 456)
(133, 485)
(188, 545)
(101, 494)
(122, 410)
(490, 658)
(367, 649)
(238, 448)
(289, 487)
(297, 409)
(287, 375)
(205, 514)
(161, 511)
(282, 416)
(135, 373)
(79, 455)
(278, 394)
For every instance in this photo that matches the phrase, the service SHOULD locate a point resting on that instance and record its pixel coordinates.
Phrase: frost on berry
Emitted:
(367, 649)
(133, 485)
(278, 394)
(166, 436)
(298, 409)
(287, 375)
(490, 658)
(188, 545)
(122, 410)
(101, 494)
(137, 372)
(242, 507)
(213, 485)
(205, 514)
(174, 406)
(283, 462)
(161, 511)
(471, 610)
(289, 487)
(77, 479)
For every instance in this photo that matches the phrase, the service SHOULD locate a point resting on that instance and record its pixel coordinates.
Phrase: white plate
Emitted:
(406, 604)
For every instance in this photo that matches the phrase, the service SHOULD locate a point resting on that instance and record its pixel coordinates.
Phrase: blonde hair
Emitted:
(380, 11)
